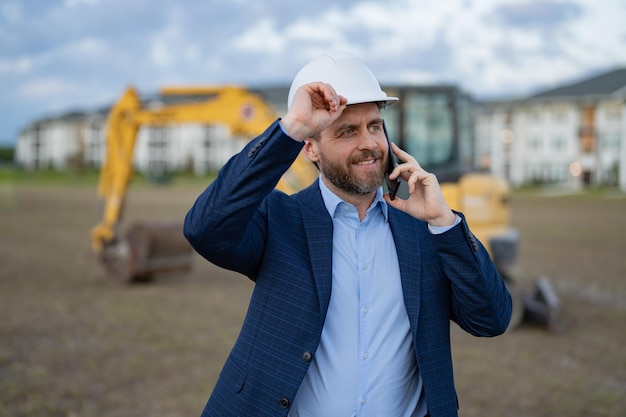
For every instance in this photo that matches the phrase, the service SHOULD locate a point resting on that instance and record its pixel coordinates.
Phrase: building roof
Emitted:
(601, 85)
(276, 95)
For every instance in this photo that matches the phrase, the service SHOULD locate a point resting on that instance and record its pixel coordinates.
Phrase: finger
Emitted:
(413, 181)
(419, 177)
(406, 169)
(318, 94)
(332, 100)
(331, 97)
(402, 155)
(319, 97)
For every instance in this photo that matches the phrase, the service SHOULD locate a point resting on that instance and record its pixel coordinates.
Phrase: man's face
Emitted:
(351, 153)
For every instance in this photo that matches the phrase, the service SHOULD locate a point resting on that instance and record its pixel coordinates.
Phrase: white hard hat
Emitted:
(347, 74)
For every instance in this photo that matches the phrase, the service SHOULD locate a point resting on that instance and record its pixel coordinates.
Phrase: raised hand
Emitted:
(315, 106)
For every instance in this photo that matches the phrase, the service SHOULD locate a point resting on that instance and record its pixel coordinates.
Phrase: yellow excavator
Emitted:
(432, 123)
(149, 247)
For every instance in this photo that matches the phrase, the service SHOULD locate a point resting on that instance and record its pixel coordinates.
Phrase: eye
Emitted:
(376, 127)
(348, 131)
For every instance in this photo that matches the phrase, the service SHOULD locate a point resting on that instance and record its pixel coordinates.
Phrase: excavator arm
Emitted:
(122, 128)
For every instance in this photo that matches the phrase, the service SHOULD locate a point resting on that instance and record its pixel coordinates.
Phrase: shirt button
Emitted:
(306, 356)
(366, 355)
(362, 400)
(364, 266)
(365, 310)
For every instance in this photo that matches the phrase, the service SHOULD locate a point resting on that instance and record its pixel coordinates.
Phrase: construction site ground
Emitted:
(76, 344)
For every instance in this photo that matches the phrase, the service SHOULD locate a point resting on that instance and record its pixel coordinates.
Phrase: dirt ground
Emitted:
(75, 344)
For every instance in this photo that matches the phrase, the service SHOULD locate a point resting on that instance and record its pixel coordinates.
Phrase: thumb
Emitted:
(397, 203)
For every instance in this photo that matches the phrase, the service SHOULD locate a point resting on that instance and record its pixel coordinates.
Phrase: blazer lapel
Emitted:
(318, 227)
(406, 237)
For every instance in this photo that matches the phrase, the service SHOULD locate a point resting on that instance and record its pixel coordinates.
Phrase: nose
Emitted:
(367, 140)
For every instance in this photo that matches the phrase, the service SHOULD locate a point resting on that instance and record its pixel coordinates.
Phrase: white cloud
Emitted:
(17, 66)
(262, 37)
(174, 46)
(51, 87)
(89, 46)
(160, 54)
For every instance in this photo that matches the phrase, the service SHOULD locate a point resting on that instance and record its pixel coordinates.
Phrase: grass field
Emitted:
(74, 344)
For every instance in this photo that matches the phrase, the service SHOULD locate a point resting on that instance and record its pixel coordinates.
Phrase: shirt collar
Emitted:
(332, 200)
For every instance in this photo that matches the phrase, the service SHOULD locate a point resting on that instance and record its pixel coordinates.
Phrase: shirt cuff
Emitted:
(437, 230)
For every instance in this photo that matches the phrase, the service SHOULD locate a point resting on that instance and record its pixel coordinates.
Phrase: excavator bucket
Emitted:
(147, 248)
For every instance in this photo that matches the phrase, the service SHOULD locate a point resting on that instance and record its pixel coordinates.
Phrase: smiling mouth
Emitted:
(367, 162)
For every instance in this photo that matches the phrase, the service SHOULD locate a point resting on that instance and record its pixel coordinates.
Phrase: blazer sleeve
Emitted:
(225, 224)
(481, 303)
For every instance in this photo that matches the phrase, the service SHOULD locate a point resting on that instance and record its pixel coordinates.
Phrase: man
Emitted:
(354, 291)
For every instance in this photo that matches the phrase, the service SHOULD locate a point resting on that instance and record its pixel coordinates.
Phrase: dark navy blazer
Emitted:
(284, 244)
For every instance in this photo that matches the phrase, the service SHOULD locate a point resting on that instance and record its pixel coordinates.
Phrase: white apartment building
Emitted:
(574, 135)
(51, 143)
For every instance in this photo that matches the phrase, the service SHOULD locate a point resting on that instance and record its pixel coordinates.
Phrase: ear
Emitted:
(310, 150)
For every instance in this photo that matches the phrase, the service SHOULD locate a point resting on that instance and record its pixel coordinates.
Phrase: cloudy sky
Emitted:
(63, 55)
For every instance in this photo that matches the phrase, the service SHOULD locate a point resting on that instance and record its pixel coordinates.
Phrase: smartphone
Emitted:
(392, 185)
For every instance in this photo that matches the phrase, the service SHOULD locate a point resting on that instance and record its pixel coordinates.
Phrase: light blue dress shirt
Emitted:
(365, 363)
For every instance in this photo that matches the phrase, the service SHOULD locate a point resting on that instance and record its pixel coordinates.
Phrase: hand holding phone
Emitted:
(392, 185)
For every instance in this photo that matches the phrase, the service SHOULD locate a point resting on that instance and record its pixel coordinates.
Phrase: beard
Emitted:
(341, 173)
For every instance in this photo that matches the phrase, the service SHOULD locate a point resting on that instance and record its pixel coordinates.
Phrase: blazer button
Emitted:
(306, 356)
(472, 239)
(284, 402)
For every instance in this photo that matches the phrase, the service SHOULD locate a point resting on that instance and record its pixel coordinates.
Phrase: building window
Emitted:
(37, 148)
(613, 111)
(610, 142)
(559, 114)
(95, 145)
(558, 143)
(534, 144)
(535, 115)
(157, 145)
(535, 173)
(558, 172)
(207, 151)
